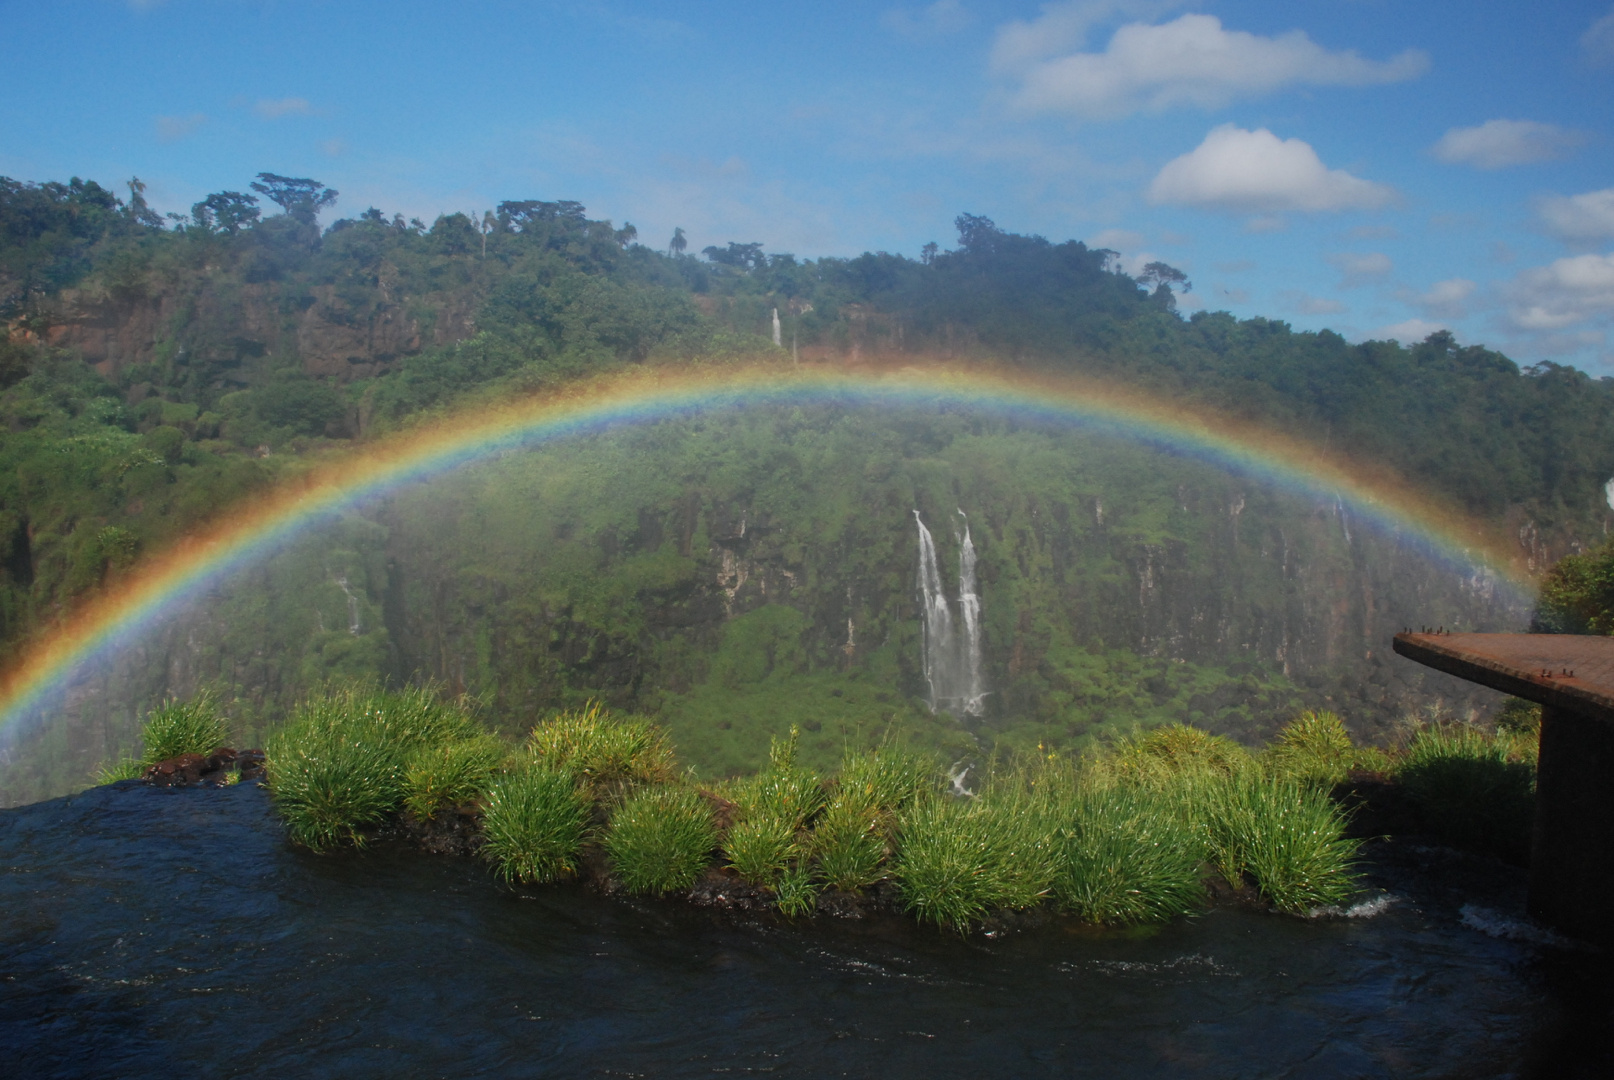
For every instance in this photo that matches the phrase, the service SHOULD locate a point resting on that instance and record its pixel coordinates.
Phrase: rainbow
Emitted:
(432, 447)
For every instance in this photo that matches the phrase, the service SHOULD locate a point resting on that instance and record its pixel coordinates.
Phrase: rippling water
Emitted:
(150, 932)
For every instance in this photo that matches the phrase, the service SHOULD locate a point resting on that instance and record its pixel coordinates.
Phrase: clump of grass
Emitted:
(123, 769)
(761, 847)
(183, 727)
(849, 844)
(957, 860)
(450, 774)
(608, 754)
(1175, 749)
(1128, 854)
(1287, 835)
(886, 778)
(796, 894)
(534, 823)
(339, 767)
(660, 839)
(1314, 746)
(1475, 790)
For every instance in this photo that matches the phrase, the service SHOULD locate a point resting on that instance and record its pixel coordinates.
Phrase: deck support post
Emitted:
(1572, 847)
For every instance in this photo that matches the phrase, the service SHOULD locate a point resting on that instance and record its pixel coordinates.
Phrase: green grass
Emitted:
(796, 893)
(1474, 789)
(340, 766)
(660, 840)
(849, 844)
(957, 860)
(607, 753)
(1127, 854)
(886, 778)
(450, 774)
(534, 822)
(1286, 834)
(122, 769)
(1314, 746)
(761, 847)
(1176, 749)
(182, 727)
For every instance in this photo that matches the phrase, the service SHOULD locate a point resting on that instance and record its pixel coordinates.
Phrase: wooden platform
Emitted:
(1572, 677)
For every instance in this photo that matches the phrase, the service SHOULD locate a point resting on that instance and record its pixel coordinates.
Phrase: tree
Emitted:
(927, 254)
(678, 243)
(743, 256)
(300, 198)
(137, 210)
(627, 234)
(226, 211)
(976, 233)
(1162, 276)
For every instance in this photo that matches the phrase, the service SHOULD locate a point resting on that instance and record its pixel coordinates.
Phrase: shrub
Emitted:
(183, 727)
(534, 823)
(1474, 790)
(607, 754)
(450, 774)
(849, 845)
(1288, 835)
(660, 839)
(1127, 855)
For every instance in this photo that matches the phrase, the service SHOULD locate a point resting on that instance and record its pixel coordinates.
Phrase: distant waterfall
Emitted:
(952, 657)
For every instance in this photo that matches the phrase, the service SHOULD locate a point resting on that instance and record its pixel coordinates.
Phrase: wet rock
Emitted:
(454, 830)
(212, 770)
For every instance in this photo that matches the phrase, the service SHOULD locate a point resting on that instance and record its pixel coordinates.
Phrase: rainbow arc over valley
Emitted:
(120, 614)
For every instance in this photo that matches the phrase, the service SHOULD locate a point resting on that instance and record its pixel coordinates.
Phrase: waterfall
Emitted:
(778, 340)
(951, 660)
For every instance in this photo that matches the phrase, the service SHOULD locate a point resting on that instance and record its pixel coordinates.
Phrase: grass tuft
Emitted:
(1177, 749)
(1287, 835)
(534, 822)
(849, 844)
(796, 894)
(660, 839)
(1128, 855)
(122, 769)
(450, 774)
(1314, 746)
(607, 754)
(182, 727)
(1475, 790)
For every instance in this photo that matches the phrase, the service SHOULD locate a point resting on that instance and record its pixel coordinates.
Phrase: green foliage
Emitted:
(886, 778)
(340, 765)
(606, 753)
(761, 847)
(1285, 834)
(1127, 854)
(183, 727)
(1474, 789)
(1577, 594)
(127, 768)
(660, 839)
(849, 844)
(450, 774)
(958, 860)
(796, 892)
(1314, 746)
(534, 822)
(1178, 748)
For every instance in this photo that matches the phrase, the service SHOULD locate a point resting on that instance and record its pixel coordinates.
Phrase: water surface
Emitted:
(151, 932)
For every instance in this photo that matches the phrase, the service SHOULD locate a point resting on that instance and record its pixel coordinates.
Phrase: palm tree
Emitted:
(678, 244)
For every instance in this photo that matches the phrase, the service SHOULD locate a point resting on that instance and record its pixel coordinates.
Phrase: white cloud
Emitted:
(1572, 292)
(1579, 219)
(1446, 299)
(1193, 61)
(174, 128)
(1062, 27)
(1257, 172)
(1497, 144)
(938, 20)
(333, 147)
(1306, 304)
(1360, 269)
(274, 109)
(1408, 331)
(1597, 43)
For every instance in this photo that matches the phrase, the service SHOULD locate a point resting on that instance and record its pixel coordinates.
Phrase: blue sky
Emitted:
(1376, 167)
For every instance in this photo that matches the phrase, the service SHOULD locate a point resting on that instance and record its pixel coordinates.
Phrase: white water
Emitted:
(952, 660)
(778, 340)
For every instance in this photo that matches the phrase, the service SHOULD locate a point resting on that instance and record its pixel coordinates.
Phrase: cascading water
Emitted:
(952, 660)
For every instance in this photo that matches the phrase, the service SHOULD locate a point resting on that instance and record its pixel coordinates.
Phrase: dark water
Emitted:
(148, 932)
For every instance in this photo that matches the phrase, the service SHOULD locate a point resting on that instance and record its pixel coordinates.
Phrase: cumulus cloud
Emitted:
(1568, 293)
(938, 20)
(1597, 43)
(1117, 240)
(174, 128)
(1408, 331)
(1446, 299)
(1257, 172)
(1306, 304)
(1191, 60)
(1497, 144)
(1579, 219)
(1360, 269)
(275, 108)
